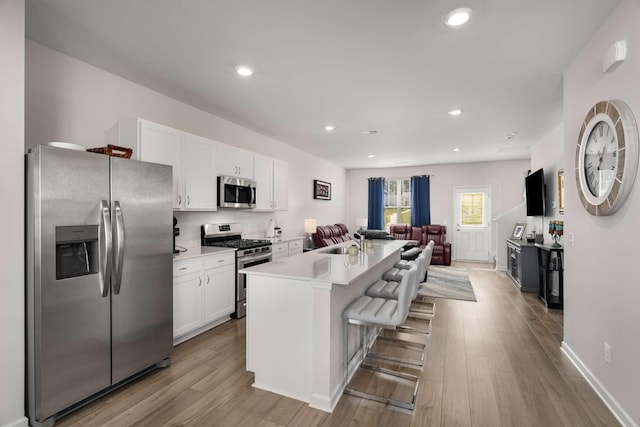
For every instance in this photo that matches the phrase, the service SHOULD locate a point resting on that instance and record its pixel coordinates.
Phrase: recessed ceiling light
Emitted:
(369, 132)
(456, 149)
(455, 112)
(510, 135)
(329, 128)
(457, 17)
(244, 71)
(371, 156)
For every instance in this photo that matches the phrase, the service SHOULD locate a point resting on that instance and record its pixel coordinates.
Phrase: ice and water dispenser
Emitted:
(76, 251)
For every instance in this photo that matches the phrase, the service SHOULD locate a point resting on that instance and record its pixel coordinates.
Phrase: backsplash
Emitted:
(254, 224)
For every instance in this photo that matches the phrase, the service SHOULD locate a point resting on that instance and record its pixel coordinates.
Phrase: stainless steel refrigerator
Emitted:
(99, 275)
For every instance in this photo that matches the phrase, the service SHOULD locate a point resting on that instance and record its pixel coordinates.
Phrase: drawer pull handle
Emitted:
(182, 268)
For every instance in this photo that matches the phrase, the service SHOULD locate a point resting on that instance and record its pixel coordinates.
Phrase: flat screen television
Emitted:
(535, 193)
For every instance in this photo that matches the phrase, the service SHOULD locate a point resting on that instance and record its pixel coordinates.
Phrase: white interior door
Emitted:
(473, 225)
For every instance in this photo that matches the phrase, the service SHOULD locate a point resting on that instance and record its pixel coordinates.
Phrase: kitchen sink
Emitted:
(338, 251)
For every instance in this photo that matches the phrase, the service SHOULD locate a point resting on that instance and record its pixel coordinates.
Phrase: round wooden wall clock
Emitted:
(606, 157)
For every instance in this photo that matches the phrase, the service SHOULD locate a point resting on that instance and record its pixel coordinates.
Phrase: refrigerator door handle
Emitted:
(105, 248)
(119, 246)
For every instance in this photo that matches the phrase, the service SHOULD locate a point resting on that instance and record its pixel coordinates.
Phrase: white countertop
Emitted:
(197, 251)
(320, 266)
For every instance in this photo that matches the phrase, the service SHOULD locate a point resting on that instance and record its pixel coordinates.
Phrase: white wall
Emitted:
(506, 179)
(12, 214)
(601, 285)
(69, 100)
(549, 155)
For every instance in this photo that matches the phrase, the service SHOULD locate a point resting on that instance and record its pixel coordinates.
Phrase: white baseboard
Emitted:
(20, 422)
(611, 403)
(200, 330)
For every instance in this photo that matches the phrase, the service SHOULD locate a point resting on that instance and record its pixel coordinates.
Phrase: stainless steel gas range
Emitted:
(249, 252)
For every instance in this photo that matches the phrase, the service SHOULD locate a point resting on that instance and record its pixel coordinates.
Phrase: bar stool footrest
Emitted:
(394, 402)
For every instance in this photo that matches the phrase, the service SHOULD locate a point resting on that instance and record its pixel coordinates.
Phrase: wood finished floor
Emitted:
(495, 362)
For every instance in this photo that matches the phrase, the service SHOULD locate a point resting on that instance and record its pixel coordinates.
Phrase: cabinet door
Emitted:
(226, 160)
(234, 161)
(280, 189)
(161, 144)
(187, 303)
(244, 161)
(263, 175)
(199, 173)
(295, 247)
(279, 250)
(219, 292)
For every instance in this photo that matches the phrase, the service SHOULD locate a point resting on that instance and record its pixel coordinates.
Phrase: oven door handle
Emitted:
(245, 260)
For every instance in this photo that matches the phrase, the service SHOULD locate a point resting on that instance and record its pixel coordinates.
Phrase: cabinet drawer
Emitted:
(295, 245)
(187, 266)
(220, 260)
(277, 248)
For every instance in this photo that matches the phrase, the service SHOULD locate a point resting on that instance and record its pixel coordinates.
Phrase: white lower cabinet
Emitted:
(219, 296)
(279, 250)
(187, 296)
(203, 294)
(295, 247)
(286, 249)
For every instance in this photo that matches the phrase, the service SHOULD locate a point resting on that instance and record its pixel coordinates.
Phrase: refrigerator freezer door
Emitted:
(68, 327)
(142, 300)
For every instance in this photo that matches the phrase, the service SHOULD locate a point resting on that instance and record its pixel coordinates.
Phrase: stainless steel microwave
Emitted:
(234, 192)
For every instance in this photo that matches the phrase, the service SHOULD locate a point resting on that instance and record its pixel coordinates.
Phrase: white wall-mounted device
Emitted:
(614, 56)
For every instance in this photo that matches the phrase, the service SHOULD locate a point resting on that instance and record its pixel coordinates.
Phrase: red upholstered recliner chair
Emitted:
(322, 236)
(401, 231)
(327, 235)
(438, 233)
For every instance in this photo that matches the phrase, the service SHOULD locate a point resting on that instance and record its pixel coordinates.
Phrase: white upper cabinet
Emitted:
(263, 175)
(162, 144)
(271, 178)
(235, 162)
(199, 173)
(280, 185)
(192, 158)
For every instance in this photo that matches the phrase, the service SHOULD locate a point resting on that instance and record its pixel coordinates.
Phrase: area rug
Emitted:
(448, 282)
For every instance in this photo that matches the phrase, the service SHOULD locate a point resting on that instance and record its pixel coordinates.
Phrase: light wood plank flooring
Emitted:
(495, 362)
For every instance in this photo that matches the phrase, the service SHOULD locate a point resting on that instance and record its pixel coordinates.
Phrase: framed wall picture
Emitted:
(518, 231)
(321, 190)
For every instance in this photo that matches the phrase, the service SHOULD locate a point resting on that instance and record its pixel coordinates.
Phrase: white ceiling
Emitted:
(385, 65)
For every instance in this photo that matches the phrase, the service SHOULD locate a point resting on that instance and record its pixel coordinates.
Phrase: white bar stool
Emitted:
(387, 286)
(385, 314)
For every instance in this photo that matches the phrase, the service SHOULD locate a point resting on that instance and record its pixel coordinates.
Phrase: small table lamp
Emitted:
(309, 228)
(362, 222)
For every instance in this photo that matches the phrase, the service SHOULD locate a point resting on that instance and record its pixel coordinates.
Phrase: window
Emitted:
(472, 210)
(397, 202)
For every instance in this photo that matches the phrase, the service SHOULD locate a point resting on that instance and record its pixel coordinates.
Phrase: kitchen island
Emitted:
(295, 330)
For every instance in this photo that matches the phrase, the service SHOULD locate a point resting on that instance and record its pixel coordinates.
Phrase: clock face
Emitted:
(600, 159)
(606, 157)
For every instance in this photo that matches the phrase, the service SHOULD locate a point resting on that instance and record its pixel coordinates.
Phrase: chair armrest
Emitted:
(447, 253)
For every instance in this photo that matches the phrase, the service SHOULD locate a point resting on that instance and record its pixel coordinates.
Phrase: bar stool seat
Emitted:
(384, 289)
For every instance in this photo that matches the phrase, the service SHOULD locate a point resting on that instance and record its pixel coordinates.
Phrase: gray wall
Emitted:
(69, 100)
(506, 179)
(601, 284)
(12, 214)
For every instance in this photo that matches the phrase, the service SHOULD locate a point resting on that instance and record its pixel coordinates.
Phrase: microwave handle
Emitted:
(253, 195)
